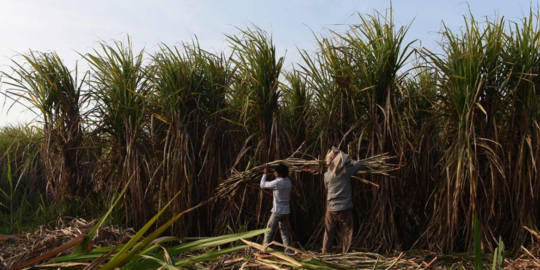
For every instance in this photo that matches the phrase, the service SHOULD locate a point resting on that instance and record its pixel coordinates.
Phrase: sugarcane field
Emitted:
(269, 135)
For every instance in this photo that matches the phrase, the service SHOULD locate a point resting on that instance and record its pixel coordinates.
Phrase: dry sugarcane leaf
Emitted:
(273, 252)
(72, 243)
(15, 237)
(533, 232)
(365, 181)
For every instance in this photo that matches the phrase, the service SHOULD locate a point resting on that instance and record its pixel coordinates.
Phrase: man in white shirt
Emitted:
(281, 187)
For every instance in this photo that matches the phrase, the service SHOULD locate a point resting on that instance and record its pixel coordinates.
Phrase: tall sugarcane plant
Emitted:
(119, 89)
(420, 123)
(337, 101)
(354, 76)
(472, 83)
(43, 84)
(256, 91)
(522, 58)
(188, 97)
(379, 51)
(254, 99)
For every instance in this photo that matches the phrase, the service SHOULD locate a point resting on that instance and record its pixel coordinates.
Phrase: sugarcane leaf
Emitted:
(82, 247)
(132, 247)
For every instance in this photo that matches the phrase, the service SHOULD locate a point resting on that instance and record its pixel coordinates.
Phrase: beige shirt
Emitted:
(339, 195)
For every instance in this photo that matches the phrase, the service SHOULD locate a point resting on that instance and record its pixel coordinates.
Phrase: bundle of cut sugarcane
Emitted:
(372, 165)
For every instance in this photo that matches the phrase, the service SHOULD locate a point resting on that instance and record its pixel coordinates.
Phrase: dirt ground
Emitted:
(18, 249)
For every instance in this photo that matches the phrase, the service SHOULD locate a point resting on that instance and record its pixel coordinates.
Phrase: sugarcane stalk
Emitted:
(371, 165)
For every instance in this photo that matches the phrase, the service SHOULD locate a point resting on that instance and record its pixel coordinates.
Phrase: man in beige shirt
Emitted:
(337, 181)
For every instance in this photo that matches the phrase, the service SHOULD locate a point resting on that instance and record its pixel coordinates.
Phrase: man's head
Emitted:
(334, 153)
(336, 161)
(331, 155)
(281, 171)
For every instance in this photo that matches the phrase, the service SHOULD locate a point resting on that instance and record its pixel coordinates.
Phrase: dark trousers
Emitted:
(278, 220)
(345, 221)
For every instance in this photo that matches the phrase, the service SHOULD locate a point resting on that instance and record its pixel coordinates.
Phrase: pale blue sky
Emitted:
(68, 27)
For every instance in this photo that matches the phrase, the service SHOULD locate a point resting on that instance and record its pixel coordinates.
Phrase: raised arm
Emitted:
(326, 180)
(357, 166)
(268, 185)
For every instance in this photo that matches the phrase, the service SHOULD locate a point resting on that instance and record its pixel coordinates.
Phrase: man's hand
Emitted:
(265, 170)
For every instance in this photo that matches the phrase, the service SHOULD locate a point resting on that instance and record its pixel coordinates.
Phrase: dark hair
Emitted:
(282, 170)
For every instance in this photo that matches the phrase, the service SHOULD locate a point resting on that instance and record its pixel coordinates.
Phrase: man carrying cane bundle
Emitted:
(281, 187)
(337, 181)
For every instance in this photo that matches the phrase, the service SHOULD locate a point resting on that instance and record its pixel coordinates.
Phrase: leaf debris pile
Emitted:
(20, 248)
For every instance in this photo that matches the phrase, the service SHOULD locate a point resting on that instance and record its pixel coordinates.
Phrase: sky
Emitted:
(74, 27)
